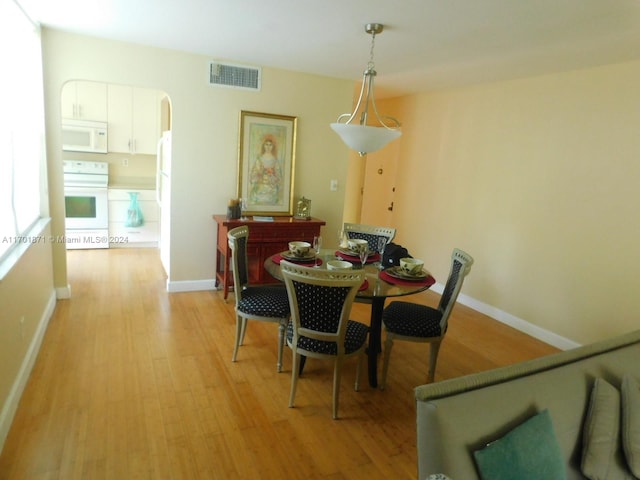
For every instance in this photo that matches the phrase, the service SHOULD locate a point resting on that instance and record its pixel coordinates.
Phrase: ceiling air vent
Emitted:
(234, 76)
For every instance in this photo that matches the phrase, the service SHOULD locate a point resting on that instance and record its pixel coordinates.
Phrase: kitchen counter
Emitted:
(132, 183)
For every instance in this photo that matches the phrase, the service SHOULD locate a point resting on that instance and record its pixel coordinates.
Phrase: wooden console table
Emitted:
(265, 239)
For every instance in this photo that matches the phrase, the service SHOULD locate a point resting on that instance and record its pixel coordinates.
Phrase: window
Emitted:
(22, 149)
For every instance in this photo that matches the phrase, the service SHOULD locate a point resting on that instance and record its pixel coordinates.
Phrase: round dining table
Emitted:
(377, 287)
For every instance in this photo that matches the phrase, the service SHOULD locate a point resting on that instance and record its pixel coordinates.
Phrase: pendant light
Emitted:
(361, 136)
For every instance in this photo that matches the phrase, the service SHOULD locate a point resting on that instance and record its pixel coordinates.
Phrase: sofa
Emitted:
(460, 416)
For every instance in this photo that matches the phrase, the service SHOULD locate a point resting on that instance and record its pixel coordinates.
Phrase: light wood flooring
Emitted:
(134, 383)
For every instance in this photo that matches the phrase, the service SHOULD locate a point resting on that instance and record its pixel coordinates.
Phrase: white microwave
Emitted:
(84, 136)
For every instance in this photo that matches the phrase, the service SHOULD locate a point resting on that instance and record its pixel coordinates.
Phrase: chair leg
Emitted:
(281, 328)
(360, 359)
(240, 322)
(337, 372)
(433, 359)
(388, 345)
(244, 330)
(294, 377)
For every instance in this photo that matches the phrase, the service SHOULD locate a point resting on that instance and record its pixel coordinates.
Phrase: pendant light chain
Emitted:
(371, 65)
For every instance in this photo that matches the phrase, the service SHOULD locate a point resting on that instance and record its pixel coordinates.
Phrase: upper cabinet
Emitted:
(134, 119)
(84, 100)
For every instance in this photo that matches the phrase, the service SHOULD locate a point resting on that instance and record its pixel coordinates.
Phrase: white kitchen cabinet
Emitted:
(84, 100)
(134, 119)
(146, 234)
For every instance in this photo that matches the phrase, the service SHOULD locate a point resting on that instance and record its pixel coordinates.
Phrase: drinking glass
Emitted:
(340, 238)
(364, 254)
(243, 209)
(382, 243)
(317, 245)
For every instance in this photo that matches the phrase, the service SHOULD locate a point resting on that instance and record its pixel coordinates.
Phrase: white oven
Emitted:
(86, 204)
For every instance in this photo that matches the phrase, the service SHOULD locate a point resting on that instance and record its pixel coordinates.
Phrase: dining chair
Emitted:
(321, 303)
(369, 233)
(420, 323)
(267, 303)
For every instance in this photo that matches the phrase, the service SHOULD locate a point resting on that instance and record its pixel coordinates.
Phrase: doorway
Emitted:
(138, 121)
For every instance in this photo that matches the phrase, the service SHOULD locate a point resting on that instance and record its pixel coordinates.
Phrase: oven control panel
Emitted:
(77, 166)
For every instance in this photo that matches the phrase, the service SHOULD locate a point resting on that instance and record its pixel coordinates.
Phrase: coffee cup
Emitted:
(299, 249)
(411, 266)
(339, 265)
(357, 244)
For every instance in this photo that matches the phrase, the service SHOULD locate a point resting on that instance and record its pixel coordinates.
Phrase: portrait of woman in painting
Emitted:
(266, 175)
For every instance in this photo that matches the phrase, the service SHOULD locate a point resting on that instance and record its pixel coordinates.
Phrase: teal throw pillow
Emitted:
(528, 452)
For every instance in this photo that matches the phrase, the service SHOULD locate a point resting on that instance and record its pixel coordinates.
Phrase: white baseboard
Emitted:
(13, 399)
(63, 292)
(519, 324)
(191, 285)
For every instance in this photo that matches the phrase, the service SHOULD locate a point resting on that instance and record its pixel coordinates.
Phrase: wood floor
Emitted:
(135, 383)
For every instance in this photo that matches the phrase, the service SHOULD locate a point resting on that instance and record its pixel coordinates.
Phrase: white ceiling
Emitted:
(426, 44)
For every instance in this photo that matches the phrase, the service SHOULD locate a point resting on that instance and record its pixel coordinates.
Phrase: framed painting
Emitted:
(266, 163)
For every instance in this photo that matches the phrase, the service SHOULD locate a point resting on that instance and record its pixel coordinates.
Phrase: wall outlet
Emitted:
(333, 185)
(125, 162)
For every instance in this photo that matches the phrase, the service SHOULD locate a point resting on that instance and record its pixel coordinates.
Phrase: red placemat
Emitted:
(277, 258)
(427, 281)
(352, 258)
(364, 285)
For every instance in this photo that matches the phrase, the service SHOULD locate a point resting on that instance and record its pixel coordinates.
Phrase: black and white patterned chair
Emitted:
(419, 323)
(255, 302)
(321, 303)
(369, 233)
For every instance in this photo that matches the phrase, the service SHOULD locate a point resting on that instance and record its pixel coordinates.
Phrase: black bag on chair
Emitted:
(392, 255)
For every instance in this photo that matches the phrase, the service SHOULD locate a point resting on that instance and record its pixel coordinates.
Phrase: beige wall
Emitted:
(27, 300)
(538, 180)
(205, 137)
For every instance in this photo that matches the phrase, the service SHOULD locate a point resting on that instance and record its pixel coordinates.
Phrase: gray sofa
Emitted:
(458, 416)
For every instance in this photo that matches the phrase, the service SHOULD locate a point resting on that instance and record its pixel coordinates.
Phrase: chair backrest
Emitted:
(460, 267)
(369, 233)
(321, 301)
(238, 238)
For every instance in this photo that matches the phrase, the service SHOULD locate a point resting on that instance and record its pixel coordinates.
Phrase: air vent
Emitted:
(234, 76)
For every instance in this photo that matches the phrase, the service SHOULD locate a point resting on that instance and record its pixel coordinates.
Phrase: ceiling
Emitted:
(426, 44)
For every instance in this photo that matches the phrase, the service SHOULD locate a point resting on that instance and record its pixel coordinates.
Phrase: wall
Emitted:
(27, 299)
(538, 180)
(205, 123)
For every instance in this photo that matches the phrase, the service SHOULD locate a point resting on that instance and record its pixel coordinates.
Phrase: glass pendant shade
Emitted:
(364, 138)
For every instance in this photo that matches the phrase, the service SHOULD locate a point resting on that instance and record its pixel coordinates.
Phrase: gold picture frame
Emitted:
(266, 163)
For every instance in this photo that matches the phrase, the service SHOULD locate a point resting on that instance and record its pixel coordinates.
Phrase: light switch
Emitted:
(333, 186)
